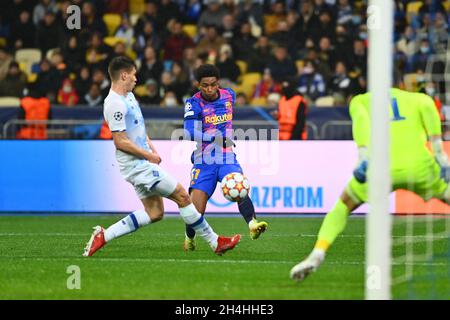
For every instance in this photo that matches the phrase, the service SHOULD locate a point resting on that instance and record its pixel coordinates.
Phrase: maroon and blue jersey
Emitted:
(204, 120)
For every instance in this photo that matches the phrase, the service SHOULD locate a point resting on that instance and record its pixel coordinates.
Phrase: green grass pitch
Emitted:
(35, 253)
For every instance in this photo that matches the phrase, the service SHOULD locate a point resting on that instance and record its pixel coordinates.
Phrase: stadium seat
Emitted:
(412, 9)
(112, 21)
(190, 29)
(242, 66)
(446, 5)
(27, 57)
(141, 91)
(249, 81)
(259, 102)
(111, 41)
(299, 64)
(134, 19)
(32, 77)
(327, 101)
(9, 102)
(137, 6)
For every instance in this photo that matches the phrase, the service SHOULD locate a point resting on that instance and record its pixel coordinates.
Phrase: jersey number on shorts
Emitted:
(194, 174)
(395, 111)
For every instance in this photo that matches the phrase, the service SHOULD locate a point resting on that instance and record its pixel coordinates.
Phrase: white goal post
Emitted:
(378, 221)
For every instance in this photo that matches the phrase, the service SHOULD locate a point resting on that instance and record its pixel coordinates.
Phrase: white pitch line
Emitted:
(208, 261)
(59, 234)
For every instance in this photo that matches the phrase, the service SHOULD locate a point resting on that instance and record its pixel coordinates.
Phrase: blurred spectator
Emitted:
(211, 44)
(359, 85)
(151, 67)
(259, 57)
(306, 23)
(252, 11)
(230, 6)
(243, 42)
(439, 34)
(83, 82)
(147, 37)
(73, 54)
(343, 44)
(432, 7)
(325, 26)
(180, 84)
(281, 36)
(192, 12)
(175, 44)
(168, 10)
(344, 12)
(67, 94)
(266, 86)
(125, 31)
(229, 70)
(407, 42)
(99, 77)
(213, 15)
(166, 83)
(170, 100)
(150, 15)
(121, 50)
(23, 32)
(48, 80)
(117, 6)
(311, 83)
(241, 100)
(49, 33)
(430, 88)
(340, 83)
(359, 57)
(57, 62)
(228, 29)
(91, 22)
(152, 97)
(420, 58)
(281, 66)
(14, 82)
(41, 9)
(5, 61)
(189, 62)
(326, 56)
(97, 52)
(277, 14)
(94, 96)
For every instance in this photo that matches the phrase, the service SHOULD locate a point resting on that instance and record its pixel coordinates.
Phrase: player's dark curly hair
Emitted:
(119, 64)
(206, 71)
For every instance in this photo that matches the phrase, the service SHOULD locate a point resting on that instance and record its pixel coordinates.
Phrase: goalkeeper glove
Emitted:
(360, 172)
(441, 158)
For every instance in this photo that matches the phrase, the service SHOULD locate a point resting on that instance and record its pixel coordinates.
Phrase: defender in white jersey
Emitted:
(139, 164)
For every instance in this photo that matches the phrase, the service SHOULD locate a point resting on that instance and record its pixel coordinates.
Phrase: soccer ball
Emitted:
(235, 186)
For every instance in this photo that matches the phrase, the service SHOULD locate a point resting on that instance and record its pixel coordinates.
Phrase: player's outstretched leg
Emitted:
(128, 224)
(190, 215)
(247, 210)
(333, 224)
(199, 198)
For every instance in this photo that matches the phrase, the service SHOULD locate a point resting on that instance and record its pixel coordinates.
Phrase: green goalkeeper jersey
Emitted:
(413, 117)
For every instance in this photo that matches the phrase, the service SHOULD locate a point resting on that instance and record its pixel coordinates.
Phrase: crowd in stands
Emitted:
(256, 44)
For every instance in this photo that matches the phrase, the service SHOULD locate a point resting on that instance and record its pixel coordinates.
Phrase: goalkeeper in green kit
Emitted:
(414, 118)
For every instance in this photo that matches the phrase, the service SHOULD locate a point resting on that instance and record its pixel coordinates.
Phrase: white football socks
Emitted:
(130, 223)
(193, 218)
